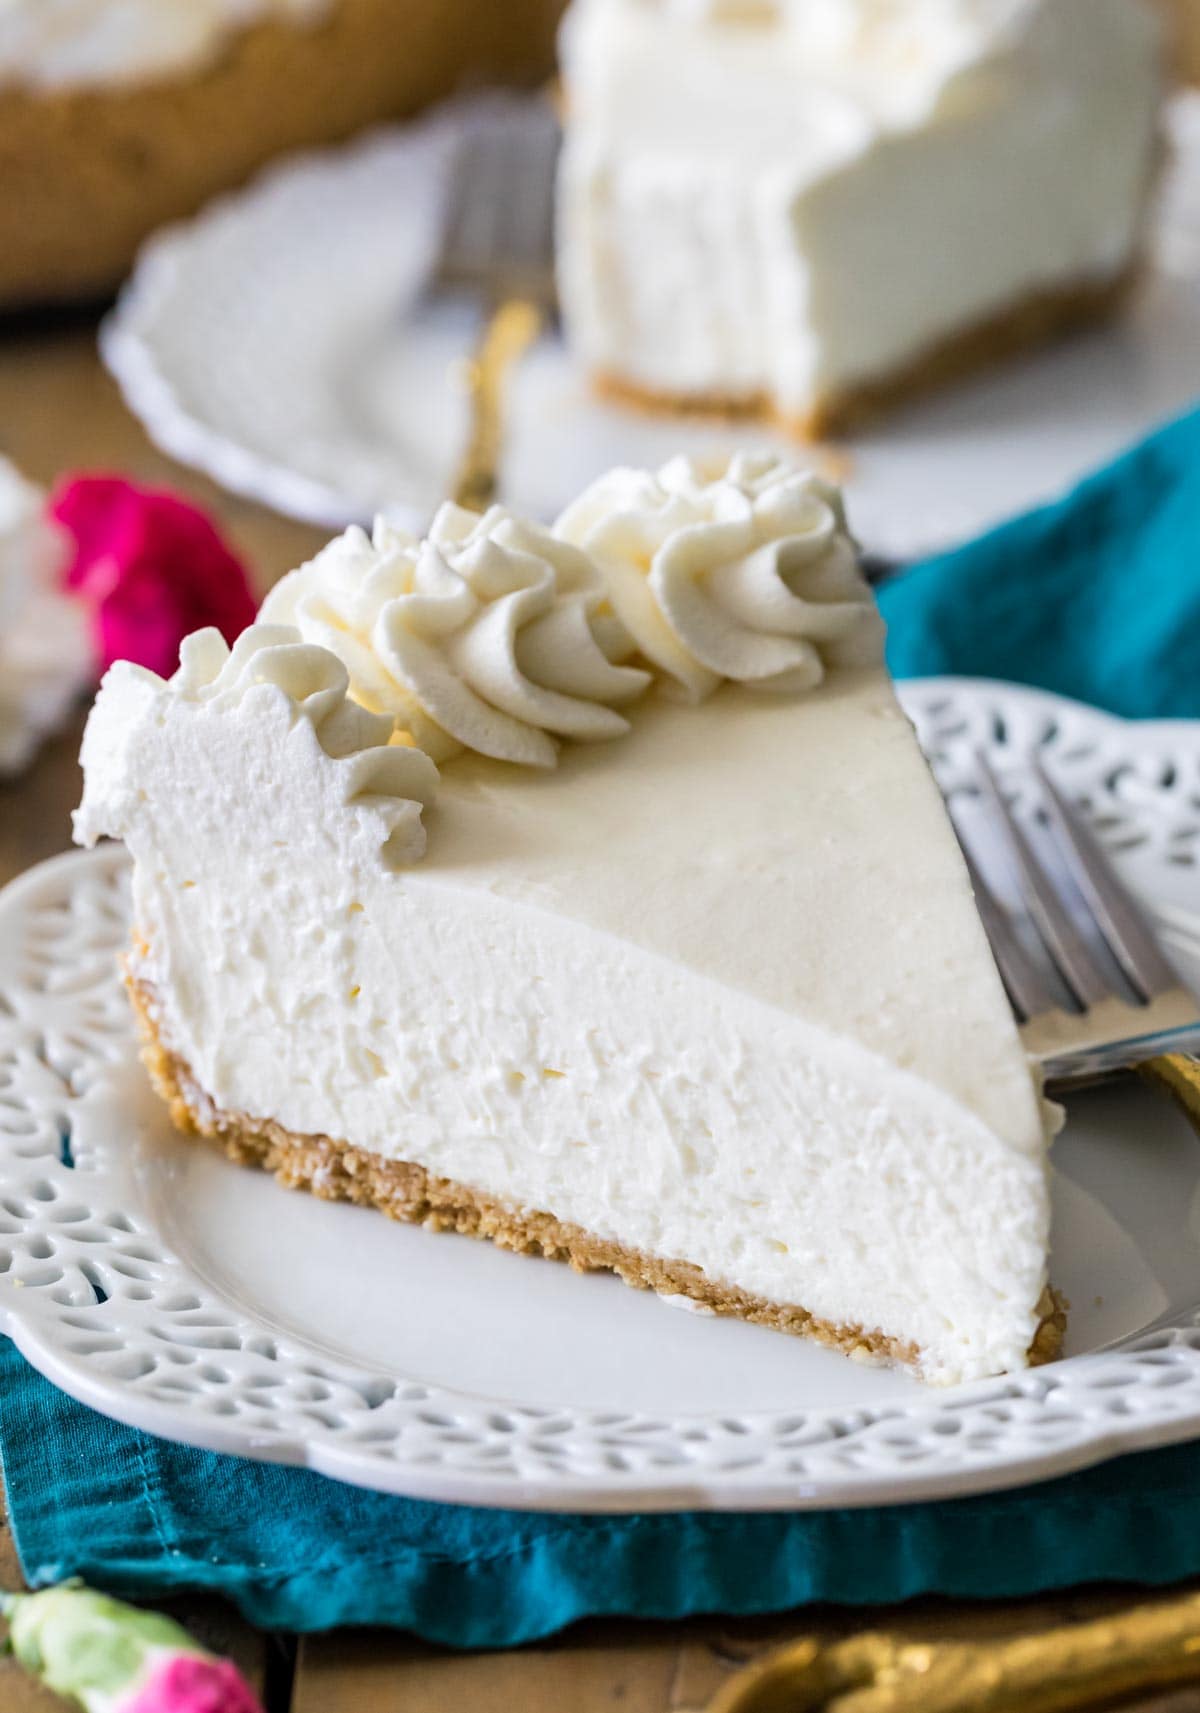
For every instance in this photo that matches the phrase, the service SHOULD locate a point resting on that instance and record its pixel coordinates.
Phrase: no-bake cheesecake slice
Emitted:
(675, 969)
(816, 208)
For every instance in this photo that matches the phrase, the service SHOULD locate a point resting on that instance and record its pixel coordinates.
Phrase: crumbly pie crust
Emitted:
(90, 171)
(1036, 319)
(404, 1191)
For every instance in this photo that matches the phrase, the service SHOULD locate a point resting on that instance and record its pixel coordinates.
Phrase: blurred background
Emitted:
(271, 267)
(294, 261)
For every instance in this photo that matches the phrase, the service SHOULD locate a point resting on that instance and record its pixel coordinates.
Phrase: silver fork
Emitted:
(498, 239)
(1085, 974)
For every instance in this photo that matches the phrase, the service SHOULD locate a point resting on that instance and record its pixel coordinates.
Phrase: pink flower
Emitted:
(151, 568)
(192, 1683)
(104, 1655)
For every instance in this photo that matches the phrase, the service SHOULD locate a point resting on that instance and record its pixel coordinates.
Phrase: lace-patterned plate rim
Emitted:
(99, 1295)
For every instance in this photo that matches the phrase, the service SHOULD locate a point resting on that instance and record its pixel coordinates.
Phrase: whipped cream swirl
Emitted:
(270, 668)
(491, 635)
(748, 574)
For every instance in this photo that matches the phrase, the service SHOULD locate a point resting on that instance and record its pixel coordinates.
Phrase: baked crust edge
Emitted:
(403, 1191)
(1034, 320)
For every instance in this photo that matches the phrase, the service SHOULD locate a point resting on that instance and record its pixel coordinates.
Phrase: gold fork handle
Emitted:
(510, 329)
(1065, 1668)
(1179, 1074)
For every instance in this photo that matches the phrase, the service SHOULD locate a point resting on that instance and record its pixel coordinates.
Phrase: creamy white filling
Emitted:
(57, 44)
(555, 1068)
(804, 205)
(737, 1015)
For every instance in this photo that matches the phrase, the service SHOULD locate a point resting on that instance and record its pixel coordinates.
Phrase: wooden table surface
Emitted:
(58, 411)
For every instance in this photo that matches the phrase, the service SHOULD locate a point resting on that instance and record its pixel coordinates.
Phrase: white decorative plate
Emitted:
(157, 1282)
(283, 342)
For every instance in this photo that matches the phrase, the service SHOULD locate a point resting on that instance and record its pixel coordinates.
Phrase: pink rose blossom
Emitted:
(194, 1683)
(102, 1654)
(151, 567)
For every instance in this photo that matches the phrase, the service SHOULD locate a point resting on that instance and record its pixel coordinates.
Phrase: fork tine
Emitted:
(498, 231)
(1050, 916)
(1028, 991)
(1118, 916)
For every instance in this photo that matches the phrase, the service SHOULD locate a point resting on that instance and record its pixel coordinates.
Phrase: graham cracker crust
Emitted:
(90, 171)
(403, 1191)
(1035, 320)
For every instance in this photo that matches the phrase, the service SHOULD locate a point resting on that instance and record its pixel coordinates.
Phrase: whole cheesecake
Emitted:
(118, 115)
(816, 208)
(675, 970)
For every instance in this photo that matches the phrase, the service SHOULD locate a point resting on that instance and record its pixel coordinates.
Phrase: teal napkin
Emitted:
(142, 1517)
(1097, 597)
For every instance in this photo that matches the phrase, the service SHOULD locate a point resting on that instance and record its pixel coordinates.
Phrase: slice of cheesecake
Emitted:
(708, 1004)
(819, 207)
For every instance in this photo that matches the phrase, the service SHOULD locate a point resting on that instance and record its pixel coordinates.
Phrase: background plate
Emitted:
(157, 1282)
(283, 342)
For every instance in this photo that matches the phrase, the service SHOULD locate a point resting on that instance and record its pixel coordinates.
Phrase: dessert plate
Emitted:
(166, 1287)
(285, 342)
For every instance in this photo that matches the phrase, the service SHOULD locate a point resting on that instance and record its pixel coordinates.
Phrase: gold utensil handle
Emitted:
(510, 329)
(1074, 1666)
(1061, 1669)
(1179, 1074)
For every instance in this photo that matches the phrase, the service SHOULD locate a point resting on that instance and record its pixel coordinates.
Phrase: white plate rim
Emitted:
(540, 1459)
(128, 351)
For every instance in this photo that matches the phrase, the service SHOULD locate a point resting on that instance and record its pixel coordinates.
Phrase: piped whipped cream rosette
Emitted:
(278, 709)
(749, 574)
(497, 636)
(385, 653)
(491, 635)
